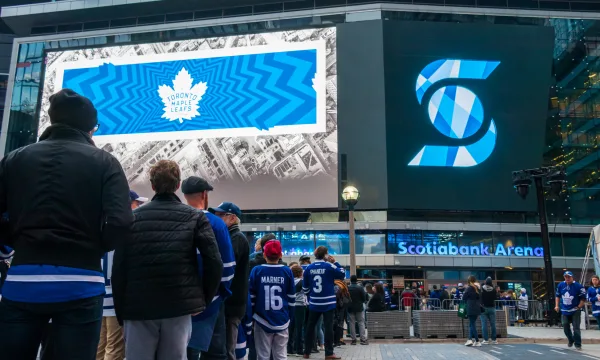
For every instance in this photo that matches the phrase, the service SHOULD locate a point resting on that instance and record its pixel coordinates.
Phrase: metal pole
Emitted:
(541, 203)
(352, 241)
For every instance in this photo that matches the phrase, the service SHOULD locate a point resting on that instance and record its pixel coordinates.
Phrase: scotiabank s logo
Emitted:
(456, 112)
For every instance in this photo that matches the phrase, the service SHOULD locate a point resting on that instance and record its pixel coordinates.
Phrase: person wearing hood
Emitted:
(489, 296)
(523, 305)
(593, 296)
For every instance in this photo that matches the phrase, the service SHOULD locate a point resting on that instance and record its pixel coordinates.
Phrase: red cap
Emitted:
(272, 249)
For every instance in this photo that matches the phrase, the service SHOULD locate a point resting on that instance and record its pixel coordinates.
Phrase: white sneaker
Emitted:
(485, 342)
(477, 344)
(469, 343)
(494, 342)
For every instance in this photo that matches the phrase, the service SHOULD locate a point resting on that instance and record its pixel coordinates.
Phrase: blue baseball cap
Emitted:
(133, 196)
(227, 207)
(568, 273)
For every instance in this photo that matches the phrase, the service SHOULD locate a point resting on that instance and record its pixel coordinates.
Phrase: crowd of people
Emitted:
(98, 272)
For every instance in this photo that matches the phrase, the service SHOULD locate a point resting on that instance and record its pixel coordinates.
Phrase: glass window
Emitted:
(369, 243)
(480, 275)
(400, 240)
(509, 240)
(442, 275)
(535, 241)
(474, 238)
(513, 275)
(371, 274)
(338, 242)
(439, 237)
(255, 236)
(296, 243)
(576, 244)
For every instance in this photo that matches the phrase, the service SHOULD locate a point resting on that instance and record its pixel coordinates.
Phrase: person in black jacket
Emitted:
(258, 258)
(68, 204)
(235, 305)
(356, 310)
(489, 296)
(472, 296)
(377, 302)
(156, 281)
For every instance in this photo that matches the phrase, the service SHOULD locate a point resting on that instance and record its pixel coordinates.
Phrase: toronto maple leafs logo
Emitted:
(181, 100)
(567, 299)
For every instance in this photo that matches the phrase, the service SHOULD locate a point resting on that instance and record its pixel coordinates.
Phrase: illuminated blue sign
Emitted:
(456, 112)
(472, 250)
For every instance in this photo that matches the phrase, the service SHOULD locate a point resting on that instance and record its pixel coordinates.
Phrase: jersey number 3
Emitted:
(273, 300)
(318, 287)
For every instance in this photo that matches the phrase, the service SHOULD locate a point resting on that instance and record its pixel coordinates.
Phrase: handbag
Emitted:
(462, 310)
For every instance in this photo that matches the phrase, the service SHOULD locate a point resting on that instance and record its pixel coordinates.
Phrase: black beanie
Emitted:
(69, 108)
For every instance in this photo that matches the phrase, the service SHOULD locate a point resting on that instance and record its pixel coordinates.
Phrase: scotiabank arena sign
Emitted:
(472, 250)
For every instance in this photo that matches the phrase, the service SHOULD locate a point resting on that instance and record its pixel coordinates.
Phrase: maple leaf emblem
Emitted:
(181, 100)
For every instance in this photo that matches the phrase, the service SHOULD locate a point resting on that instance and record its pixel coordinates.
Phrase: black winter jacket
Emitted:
(473, 298)
(67, 200)
(235, 305)
(489, 296)
(377, 303)
(259, 259)
(358, 295)
(155, 274)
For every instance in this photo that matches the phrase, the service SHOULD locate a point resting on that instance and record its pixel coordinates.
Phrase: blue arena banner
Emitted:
(259, 90)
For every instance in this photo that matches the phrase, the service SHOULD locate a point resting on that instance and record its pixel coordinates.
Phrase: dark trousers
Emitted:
(338, 325)
(575, 319)
(291, 336)
(299, 313)
(217, 350)
(309, 338)
(75, 329)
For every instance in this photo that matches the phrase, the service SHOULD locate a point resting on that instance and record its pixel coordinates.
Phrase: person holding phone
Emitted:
(319, 286)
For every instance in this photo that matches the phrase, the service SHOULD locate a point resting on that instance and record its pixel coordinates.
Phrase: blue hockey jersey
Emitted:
(570, 296)
(226, 250)
(273, 296)
(109, 305)
(244, 332)
(592, 295)
(318, 284)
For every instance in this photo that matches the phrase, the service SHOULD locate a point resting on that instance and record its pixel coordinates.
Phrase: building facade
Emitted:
(433, 237)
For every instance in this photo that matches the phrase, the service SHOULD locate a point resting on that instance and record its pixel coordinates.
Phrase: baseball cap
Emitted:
(568, 273)
(133, 196)
(195, 184)
(304, 257)
(272, 249)
(227, 207)
(460, 285)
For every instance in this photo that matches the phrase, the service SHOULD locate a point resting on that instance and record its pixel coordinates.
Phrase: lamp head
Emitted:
(350, 195)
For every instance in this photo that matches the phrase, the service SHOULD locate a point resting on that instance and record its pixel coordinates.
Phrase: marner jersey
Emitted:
(273, 296)
(318, 284)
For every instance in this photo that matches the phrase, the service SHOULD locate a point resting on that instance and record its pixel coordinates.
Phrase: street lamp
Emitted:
(350, 195)
(556, 178)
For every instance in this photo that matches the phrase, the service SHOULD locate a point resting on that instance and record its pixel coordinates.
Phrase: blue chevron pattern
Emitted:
(256, 90)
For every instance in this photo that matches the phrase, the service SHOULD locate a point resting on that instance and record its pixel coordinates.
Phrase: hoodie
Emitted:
(488, 296)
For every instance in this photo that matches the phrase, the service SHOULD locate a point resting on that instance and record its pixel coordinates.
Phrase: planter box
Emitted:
(388, 324)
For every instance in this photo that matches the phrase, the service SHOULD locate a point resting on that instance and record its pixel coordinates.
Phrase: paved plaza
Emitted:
(430, 351)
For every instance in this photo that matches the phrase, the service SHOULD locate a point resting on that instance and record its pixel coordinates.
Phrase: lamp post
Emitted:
(350, 195)
(555, 177)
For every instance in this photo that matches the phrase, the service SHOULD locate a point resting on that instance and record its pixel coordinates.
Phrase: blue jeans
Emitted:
(473, 327)
(319, 330)
(488, 315)
(75, 329)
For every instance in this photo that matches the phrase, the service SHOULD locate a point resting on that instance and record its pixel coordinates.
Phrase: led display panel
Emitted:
(255, 114)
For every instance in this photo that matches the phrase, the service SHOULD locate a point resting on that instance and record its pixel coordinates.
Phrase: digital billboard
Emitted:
(466, 105)
(255, 115)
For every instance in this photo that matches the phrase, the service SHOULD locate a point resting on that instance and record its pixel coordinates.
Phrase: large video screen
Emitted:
(466, 105)
(255, 115)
